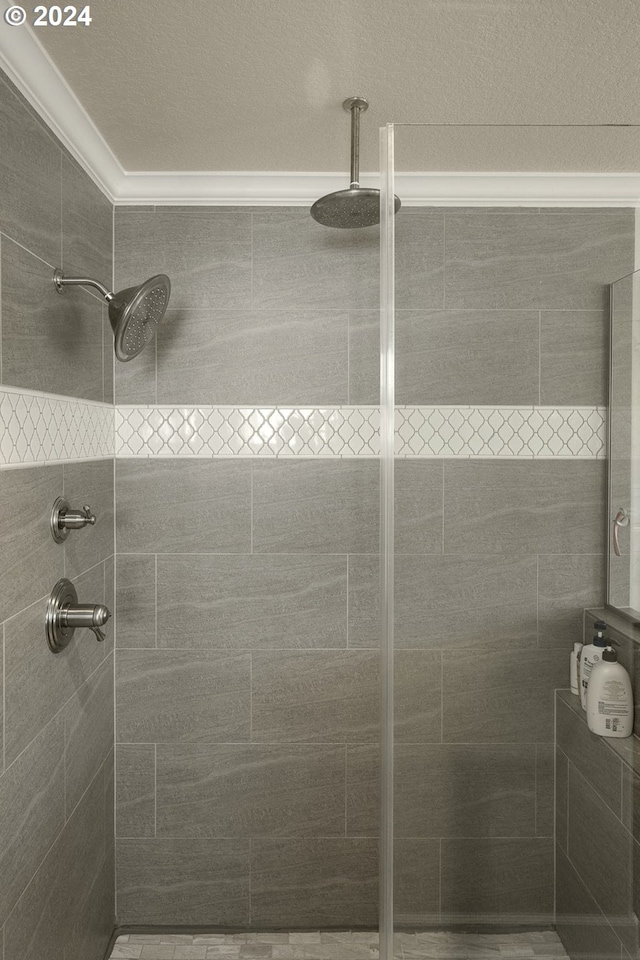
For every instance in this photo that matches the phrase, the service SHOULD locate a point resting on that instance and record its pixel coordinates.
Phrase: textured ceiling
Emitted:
(258, 84)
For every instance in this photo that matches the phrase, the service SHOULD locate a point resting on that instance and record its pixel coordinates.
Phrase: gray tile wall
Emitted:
(56, 766)
(248, 717)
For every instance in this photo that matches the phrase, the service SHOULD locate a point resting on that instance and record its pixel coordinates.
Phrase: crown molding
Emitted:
(415, 189)
(31, 69)
(34, 73)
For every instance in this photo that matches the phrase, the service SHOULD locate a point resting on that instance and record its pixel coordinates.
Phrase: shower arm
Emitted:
(355, 105)
(61, 282)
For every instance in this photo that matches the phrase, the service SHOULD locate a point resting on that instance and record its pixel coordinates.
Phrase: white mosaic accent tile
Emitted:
(247, 432)
(520, 432)
(41, 428)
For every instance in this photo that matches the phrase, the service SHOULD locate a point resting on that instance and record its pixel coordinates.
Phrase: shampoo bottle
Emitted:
(574, 668)
(591, 653)
(609, 697)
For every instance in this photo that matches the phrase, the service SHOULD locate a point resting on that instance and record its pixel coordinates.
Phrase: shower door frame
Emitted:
(387, 464)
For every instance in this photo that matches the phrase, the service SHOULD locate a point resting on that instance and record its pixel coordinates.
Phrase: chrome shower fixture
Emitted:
(134, 313)
(358, 206)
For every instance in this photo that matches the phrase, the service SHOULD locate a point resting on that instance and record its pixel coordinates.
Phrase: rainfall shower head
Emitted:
(358, 206)
(134, 313)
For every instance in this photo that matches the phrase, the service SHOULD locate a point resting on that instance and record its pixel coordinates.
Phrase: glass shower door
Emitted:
(493, 358)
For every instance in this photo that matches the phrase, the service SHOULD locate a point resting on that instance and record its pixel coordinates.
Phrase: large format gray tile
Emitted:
(501, 696)
(418, 506)
(602, 857)
(183, 506)
(37, 682)
(252, 790)
(329, 696)
(136, 600)
(497, 880)
(31, 812)
(566, 586)
(419, 266)
(175, 695)
(314, 882)
(252, 602)
(449, 602)
(522, 507)
(135, 790)
(467, 357)
(573, 357)
(95, 920)
(589, 753)
(417, 682)
(364, 356)
(87, 226)
(363, 790)
(49, 342)
(29, 179)
(298, 264)
(445, 602)
(560, 261)
(205, 251)
(183, 882)
(442, 790)
(364, 601)
(30, 561)
(310, 506)
(92, 484)
(581, 926)
(416, 881)
(50, 908)
(88, 732)
(253, 358)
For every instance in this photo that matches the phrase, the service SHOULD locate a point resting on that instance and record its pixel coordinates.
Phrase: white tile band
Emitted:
(511, 432)
(40, 428)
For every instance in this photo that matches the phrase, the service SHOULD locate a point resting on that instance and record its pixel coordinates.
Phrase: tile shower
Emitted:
(247, 719)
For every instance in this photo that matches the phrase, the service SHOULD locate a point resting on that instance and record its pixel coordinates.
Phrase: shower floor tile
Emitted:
(321, 945)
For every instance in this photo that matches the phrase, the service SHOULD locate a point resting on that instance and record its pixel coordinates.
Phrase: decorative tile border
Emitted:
(247, 431)
(37, 428)
(513, 432)
(40, 428)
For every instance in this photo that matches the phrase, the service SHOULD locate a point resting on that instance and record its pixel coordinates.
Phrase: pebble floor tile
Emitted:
(544, 945)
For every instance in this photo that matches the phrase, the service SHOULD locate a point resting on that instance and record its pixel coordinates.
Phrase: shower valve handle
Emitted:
(64, 519)
(64, 615)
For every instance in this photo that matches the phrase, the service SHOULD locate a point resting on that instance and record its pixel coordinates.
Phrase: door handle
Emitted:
(621, 519)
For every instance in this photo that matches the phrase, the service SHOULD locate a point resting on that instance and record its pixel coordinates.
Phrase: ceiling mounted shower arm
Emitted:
(355, 106)
(61, 282)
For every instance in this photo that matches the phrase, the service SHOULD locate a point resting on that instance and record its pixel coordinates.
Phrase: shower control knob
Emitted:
(64, 615)
(64, 519)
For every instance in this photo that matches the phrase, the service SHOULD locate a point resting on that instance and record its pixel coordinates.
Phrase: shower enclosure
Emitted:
(353, 548)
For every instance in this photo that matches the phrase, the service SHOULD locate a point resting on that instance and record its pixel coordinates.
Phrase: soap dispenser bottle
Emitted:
(609, 697)
(591, 653)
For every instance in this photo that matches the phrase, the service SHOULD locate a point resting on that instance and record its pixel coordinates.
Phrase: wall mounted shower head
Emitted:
(358, 206)
(134, 313)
